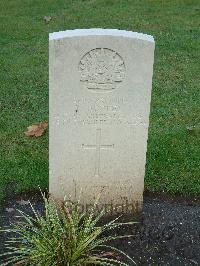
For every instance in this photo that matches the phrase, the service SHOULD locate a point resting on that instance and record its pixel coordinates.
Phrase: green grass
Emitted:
(173, 159)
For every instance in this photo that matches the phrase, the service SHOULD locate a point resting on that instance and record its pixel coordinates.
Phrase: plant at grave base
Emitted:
(63, 236)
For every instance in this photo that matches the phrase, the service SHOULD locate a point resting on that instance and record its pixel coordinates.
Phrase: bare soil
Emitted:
(167, 232)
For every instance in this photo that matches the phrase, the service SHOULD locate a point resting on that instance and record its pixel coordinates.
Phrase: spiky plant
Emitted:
(64, 236)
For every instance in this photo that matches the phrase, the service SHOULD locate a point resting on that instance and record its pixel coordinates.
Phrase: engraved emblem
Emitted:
(102, 69)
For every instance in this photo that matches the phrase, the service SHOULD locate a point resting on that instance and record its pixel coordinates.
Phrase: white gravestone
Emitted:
(100, 92)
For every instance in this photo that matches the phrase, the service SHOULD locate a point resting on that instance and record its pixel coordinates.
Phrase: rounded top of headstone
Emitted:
(100, 32)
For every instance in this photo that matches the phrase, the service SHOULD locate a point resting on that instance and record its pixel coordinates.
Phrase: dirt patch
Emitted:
(168, 232)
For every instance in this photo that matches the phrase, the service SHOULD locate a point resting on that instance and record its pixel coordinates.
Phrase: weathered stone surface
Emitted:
(100, 91)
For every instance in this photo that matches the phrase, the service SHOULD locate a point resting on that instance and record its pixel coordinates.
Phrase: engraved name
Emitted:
(101, 111)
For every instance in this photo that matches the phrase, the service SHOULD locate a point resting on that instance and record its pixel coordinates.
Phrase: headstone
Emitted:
(100, 91)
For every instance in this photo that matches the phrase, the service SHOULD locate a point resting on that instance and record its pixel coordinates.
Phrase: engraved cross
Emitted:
(98, 148)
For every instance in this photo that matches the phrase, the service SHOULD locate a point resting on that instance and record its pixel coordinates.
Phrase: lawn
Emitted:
(173, 158)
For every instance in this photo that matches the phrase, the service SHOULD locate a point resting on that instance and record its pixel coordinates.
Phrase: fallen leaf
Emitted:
(47, 19)
(36, 130)
(21, 262)
(109, 254)
(10, 209)
(191, 128)
(23, 202)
